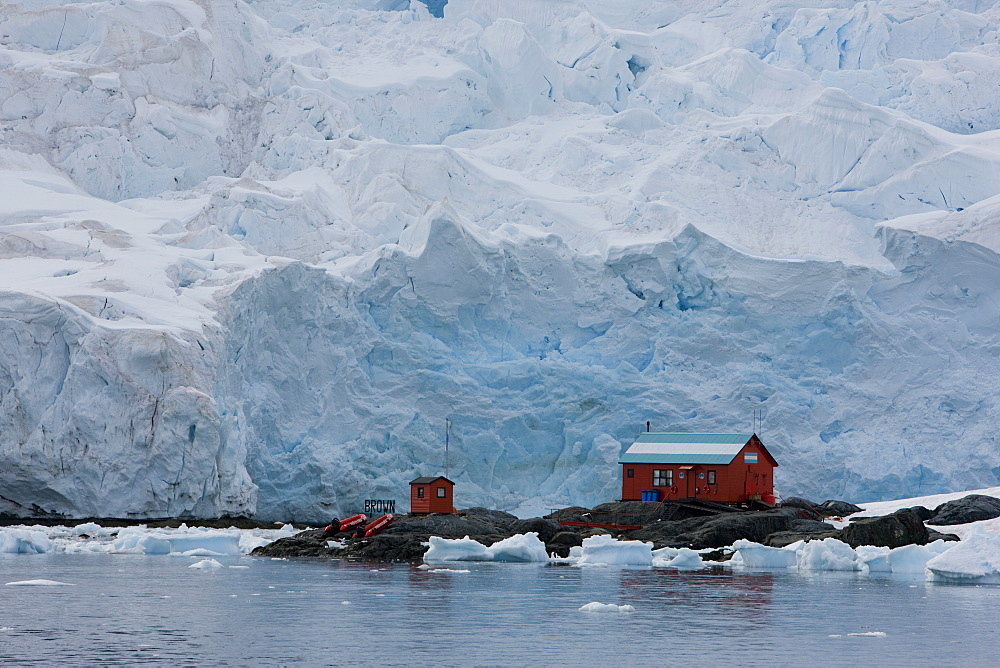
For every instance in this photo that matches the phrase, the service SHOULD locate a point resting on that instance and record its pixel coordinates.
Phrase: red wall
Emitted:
(735, 483)
(431, 503)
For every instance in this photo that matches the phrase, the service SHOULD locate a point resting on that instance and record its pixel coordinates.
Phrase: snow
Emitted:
(250, 268)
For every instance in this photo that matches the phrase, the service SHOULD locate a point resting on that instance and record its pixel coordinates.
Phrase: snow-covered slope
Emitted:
(255, 253)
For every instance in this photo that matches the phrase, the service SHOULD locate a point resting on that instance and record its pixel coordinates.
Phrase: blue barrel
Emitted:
(651, 495)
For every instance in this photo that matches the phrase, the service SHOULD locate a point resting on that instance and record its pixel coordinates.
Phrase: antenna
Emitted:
(447, 437)
(758, 420)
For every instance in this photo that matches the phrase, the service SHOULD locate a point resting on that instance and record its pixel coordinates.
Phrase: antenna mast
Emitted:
(447, 437)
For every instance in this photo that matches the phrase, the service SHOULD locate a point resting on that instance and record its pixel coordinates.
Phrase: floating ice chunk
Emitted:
(40, 583)
(684, 560)
(24, 541)
(755, 555)
(606, 607)
(136, 542)
(870, 634)
(914, 558)
(456, 549)
(345, 602)
(206, 564)
(89, 528)
(449, 570)
(828, 554)
(606, 550)
(976, 559)
(520, 547)
(873, 559)
(201, 552)
(665, 553)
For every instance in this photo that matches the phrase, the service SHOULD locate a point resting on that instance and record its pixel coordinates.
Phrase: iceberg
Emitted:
(756, 556)
(973, 560)
(604, 549)
(828, 554)
(519, 547)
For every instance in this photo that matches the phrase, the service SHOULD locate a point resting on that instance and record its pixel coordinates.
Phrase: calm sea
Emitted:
(154, 609)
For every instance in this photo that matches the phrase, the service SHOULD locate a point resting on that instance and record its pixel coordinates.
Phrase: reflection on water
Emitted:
(135, 610)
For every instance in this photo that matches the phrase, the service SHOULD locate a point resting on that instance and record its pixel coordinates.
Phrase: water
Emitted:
(128, 609)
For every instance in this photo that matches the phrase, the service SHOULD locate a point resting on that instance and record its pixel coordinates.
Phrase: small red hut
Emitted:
(432, 495)
(727, 468)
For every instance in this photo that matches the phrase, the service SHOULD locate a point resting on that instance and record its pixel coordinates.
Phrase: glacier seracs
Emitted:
(255, 253)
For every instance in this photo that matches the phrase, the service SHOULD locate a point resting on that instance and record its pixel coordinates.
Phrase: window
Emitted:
(420, 492)
(663, 478)
(749, 457)
(442, 492)
(711, 477)
(630, 473)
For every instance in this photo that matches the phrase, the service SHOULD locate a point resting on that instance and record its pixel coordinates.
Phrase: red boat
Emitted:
(345, 525)
(378, 525)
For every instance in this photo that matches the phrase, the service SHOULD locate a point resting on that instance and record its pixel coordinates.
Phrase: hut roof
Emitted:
(656, 448)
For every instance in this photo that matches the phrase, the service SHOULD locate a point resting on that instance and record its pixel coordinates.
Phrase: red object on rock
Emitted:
(378, 525)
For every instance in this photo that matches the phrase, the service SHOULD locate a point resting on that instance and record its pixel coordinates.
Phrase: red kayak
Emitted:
(378, 525)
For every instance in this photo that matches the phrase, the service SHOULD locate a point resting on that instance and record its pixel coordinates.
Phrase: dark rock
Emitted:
(808, 508)
(811, 526)
(933, 535)
(561, 543)
(832, 508)
(923, 513)
(638, 513)
(572, 514)
(900, 528)
(310, 543)
(545, 529)
(972, 508)
(718, 530)
(784, 538)
(448, 526)
(496, 517)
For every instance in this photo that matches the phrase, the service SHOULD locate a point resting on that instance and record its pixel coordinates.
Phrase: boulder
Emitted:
(933, 535)
(972, 508)
(545, 529)
(832, 508)
(808, 508)
(923, 513)
(900, 528)
(561, 543)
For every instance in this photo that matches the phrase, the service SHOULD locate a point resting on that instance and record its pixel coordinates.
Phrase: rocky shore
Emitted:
(667, 524)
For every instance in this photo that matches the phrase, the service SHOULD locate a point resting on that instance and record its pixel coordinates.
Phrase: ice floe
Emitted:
(606, 607)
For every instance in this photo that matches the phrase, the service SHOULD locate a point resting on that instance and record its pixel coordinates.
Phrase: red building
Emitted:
(727, 468)
(432, 495)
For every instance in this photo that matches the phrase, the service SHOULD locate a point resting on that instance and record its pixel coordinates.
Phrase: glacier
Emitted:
(254, 254)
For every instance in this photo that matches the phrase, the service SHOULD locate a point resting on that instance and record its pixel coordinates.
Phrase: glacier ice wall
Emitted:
(253, 254)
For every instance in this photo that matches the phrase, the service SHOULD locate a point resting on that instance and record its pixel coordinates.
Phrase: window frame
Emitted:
(420, 492)
(712, 479)
(663, 477)
(442, 492)
(629, 473)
